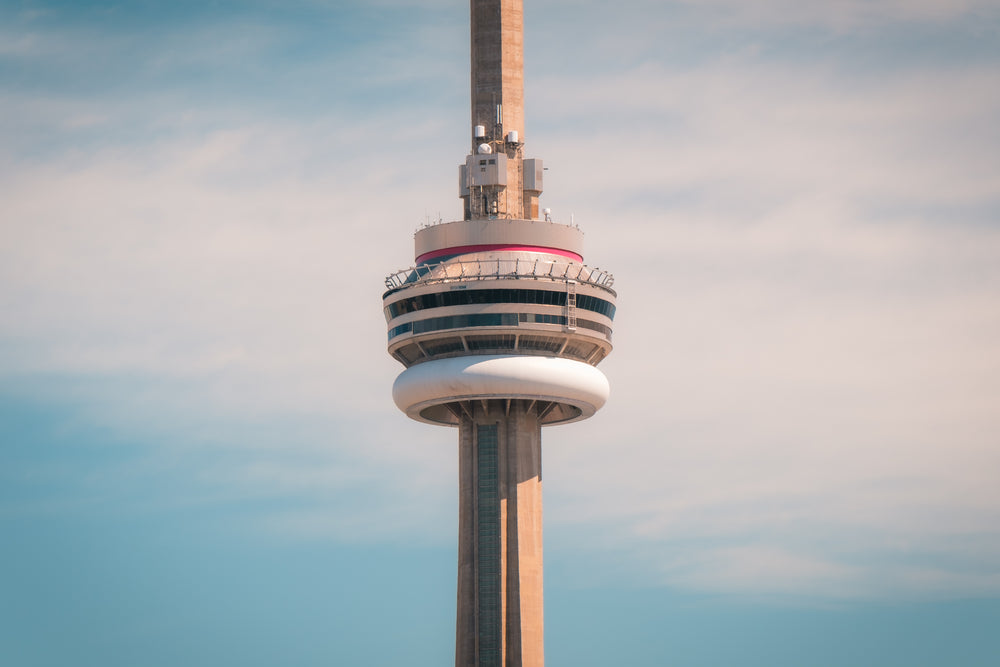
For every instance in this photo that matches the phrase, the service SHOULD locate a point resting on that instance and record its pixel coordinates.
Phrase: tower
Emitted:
(500, 326)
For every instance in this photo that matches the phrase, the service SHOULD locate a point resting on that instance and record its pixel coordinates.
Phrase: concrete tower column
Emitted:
(500, 598)
(498, 66)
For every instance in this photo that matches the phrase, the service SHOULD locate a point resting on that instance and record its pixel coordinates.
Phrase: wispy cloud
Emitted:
(838, 14)
(803, 389)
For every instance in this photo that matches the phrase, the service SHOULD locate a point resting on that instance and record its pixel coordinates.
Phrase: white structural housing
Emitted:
(574, 390)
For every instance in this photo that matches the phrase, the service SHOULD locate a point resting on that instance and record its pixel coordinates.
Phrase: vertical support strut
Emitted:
(571, 305)
(488, 561)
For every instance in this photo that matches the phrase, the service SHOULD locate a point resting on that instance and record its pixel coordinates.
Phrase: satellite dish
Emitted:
(485, 149)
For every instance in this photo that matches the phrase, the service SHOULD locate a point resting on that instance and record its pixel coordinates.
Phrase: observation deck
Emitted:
(499, 309)
(488, 303)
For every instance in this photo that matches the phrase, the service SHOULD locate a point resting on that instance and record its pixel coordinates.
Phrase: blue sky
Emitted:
(201, 464)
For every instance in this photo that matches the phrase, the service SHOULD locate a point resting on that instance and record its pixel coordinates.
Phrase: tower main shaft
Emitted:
(500, 326)
(500, 618)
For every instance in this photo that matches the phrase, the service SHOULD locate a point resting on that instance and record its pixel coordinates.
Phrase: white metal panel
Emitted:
(574, 383)
(489, 169)
(533, 172)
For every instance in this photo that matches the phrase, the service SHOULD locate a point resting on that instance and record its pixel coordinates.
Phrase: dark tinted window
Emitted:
(480, 296)
(490, 320)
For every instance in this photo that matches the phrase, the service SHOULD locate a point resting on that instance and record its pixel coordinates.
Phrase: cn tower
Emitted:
(500, 326)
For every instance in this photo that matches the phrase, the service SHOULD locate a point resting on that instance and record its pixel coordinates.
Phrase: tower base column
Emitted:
(500, 604)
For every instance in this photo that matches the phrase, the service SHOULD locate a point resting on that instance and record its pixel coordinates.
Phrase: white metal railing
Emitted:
(498, 269)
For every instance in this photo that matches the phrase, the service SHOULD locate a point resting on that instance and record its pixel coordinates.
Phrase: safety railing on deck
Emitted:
(498, 269)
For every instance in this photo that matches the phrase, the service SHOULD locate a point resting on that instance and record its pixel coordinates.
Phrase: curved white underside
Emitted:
(574, 384)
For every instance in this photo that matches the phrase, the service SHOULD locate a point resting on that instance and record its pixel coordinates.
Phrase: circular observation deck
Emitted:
(499, 309)
(499, 302)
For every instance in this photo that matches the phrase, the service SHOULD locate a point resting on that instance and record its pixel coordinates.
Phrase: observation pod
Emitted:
(500, 326)
(499, 310)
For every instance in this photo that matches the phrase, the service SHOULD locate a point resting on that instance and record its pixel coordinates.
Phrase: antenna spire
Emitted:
(503, 185)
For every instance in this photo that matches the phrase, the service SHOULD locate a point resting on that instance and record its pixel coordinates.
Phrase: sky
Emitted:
(200, 460)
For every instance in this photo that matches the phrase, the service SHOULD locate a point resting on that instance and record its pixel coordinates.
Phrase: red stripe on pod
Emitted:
(501, 247)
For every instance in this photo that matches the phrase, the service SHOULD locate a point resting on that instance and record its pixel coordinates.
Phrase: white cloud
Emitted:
(752, 138)
(844, 13)
(806, 362)
(752, 569)
(837, 14)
